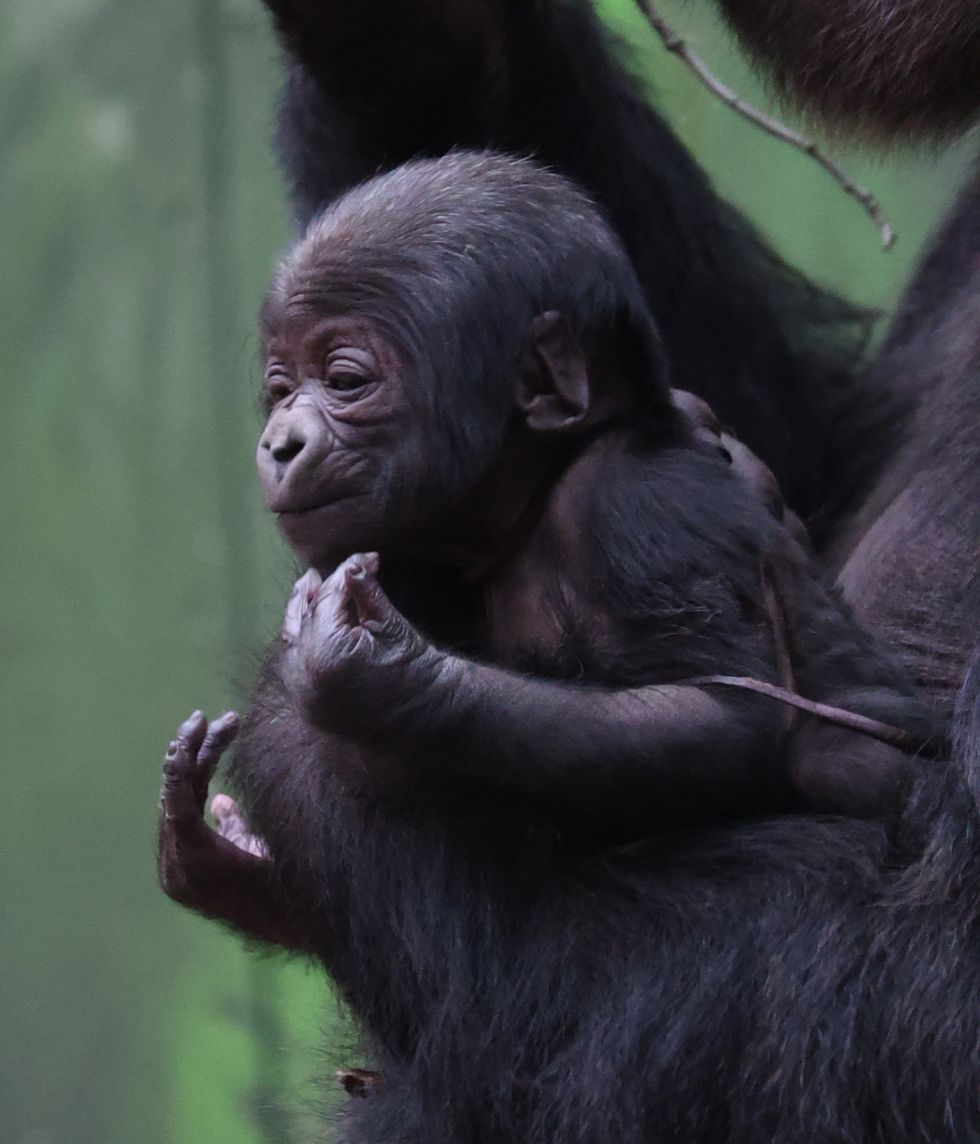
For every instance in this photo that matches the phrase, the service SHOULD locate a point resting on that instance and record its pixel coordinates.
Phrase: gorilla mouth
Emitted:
(298, 511)
(305, 510)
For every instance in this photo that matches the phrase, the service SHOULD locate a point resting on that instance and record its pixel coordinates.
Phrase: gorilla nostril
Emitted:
(284, 451)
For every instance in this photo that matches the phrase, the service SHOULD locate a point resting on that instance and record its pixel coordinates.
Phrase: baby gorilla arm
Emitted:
(658, 752)
(356, 666)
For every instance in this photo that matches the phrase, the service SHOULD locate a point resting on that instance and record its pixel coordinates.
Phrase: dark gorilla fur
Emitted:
(908, 561)
(775, 981)
(787, 979)
(885, 68)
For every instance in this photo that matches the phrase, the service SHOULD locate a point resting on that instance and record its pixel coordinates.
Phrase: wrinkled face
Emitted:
(341, 439)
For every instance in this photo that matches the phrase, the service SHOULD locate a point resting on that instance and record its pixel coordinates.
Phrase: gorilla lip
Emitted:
(296, 511)
(303, 526)
(304, 510)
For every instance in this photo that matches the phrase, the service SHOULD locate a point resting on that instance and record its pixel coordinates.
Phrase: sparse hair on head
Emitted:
(455, 256)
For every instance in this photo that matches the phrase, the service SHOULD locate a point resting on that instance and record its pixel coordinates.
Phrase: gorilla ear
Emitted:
(553, 383)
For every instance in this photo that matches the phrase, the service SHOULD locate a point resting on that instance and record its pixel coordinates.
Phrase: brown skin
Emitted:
(337, 394)
(341, 419)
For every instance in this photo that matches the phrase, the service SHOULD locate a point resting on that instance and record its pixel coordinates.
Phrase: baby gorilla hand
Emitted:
(352, 662)
(194, 862)
(225, 873)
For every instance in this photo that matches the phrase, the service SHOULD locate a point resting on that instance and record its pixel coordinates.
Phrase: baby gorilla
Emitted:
(534, 580)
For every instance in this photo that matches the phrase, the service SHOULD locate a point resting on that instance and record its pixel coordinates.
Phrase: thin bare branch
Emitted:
(840, 716)
(673, 43)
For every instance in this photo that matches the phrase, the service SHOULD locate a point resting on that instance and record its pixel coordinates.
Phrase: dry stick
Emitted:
(673, 43)
(863, 724)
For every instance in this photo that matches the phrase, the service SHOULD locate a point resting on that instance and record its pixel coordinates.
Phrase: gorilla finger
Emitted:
(228, 819)
(221, 732)
(307, 586)
(292, 621)
(367, 562)
(304, 590)
(254, 845)
(757, 475)
(370, 600)
(333, 603)
(192, 731)
(698, 412)
(178, 799)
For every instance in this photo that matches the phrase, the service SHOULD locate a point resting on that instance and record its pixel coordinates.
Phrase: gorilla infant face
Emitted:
(341, 441)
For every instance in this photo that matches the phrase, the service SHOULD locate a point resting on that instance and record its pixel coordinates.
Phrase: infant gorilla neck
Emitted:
(515, 543)
(537, 584)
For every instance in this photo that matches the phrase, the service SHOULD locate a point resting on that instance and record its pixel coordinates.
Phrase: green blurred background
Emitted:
(140, 211)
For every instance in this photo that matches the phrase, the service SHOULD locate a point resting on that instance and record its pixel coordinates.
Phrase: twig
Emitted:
(673, 43)
(840, 716)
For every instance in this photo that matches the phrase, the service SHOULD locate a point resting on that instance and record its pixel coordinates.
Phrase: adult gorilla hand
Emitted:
(353, 663)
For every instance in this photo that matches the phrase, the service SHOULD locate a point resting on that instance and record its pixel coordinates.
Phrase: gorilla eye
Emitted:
(344, 381)
(349, 368)
(277, 388)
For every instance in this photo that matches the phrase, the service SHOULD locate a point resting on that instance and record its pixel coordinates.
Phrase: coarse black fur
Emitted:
(793, 981)
(373, 84)
(885, 69)
(910, 560)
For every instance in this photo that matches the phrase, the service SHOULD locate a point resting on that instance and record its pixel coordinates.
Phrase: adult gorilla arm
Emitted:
(373, 83)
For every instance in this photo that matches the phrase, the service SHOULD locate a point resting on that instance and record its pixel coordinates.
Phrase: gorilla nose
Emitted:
(290, 443)
(286, 448)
